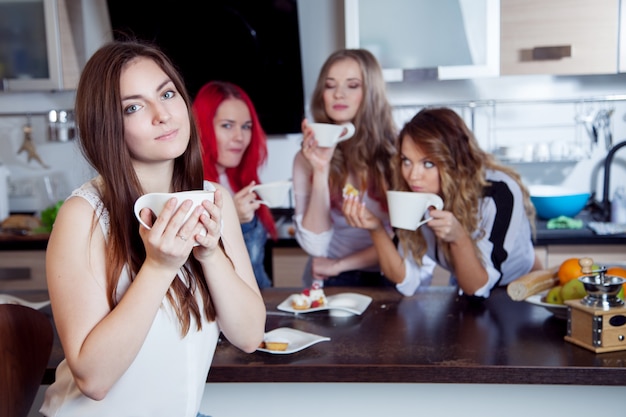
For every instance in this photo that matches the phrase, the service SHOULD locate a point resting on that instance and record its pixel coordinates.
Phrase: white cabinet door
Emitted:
(559, 37)
(426, 39)
(602, 254)
(622, 36)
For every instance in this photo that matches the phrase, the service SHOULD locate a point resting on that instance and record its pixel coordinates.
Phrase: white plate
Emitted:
(559, 311)
(349, 302)
(297, 340)
(11, 299)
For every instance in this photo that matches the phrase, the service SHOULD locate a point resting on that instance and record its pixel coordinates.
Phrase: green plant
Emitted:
(48, 216)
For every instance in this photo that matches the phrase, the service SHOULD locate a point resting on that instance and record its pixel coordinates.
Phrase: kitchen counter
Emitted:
(434, 336)
(9, 241)
(584, 236)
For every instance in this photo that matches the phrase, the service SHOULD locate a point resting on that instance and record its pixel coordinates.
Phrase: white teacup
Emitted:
(328, 135)
(273, 194)
(156, 202)
(407, 208)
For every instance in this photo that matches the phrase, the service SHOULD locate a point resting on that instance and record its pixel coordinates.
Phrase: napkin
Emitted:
(564, 222)
(602, 228)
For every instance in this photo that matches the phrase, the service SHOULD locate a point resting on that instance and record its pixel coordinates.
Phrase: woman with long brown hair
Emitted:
(139, 310)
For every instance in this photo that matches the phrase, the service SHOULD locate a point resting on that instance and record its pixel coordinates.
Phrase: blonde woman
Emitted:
(350, 88)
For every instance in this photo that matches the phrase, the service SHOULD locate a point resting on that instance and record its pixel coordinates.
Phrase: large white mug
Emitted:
(328, 135)
(407, 209)
(273, 194)
(156, 202)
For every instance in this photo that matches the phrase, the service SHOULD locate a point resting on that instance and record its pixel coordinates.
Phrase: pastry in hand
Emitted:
(349, 190)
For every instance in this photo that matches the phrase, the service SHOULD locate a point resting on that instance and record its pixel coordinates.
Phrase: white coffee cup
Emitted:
(328, 135)
(273, 194)
(156, 202)
(407, 209)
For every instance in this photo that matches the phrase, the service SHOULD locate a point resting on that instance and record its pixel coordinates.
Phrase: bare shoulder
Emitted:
(217, 186)
(74, 224)
(227, 199)
(75, 210)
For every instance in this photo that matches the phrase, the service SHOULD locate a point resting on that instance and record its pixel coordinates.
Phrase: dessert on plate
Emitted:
(274, 345)
(309, 298)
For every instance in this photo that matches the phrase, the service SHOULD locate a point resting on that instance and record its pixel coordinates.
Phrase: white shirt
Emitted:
(166, 379)
(506, 245)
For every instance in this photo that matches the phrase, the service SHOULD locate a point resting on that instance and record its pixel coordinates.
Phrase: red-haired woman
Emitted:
(234, 148)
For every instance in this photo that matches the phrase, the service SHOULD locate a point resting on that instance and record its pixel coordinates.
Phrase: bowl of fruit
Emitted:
(573, 282)
(554, 299)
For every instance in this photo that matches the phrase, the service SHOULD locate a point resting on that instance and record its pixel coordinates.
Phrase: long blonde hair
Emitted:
(443, 136)
(367, 155)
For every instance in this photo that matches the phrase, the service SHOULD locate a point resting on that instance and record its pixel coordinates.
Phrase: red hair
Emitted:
(205, 106)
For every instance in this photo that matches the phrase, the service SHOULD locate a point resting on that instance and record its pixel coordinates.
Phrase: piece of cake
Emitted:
(309, 298)
(349, 190)
(274, 345)
(300, 302)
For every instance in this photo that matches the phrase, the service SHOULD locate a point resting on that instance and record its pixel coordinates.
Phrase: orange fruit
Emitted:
(616, 271)
(570, 269)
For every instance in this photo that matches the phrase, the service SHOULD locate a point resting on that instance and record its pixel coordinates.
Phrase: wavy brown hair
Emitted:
(100, 122)
(443, 136)
(368, 153)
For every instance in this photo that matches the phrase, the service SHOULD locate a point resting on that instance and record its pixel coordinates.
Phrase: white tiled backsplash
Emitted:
(521, 130)
(546, 142)
(32, 186)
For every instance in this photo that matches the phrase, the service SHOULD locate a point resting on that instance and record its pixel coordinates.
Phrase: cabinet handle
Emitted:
(546, 53)
(14, 273)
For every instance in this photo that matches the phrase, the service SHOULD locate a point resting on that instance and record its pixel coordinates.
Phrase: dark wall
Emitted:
(253, 43)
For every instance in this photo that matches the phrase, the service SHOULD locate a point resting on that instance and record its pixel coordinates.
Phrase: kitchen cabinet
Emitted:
(288, 264)
(37, 51)
(424, 39)
(64, 34)
(559, 37)
(622, 36)
(23, 270)
(554, 255)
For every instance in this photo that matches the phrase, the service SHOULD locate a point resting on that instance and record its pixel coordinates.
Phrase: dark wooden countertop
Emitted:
(9, 241)
(434, 336)
(545, 236)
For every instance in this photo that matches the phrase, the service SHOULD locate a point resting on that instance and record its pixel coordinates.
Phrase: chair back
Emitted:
(25, 345)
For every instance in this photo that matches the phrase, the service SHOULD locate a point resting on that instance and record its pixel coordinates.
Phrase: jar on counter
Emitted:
(4, 192)
(61, 126)
(618, 206)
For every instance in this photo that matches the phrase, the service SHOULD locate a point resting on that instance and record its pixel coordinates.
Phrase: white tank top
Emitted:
(167, 377)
